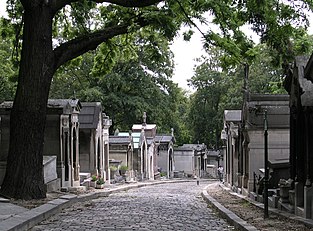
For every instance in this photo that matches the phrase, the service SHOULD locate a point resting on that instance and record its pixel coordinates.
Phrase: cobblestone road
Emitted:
(176, 206)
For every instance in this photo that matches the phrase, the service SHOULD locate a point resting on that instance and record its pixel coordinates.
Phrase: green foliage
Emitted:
(218, 90)
(123, 168)
(162, 174)
(135, 82)
(100, 180)
(8, 71)
(113, 168)
(204, 116)
(94, 178)
(280, 24)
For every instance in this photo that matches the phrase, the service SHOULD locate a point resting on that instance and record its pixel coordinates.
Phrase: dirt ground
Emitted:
(253, 214)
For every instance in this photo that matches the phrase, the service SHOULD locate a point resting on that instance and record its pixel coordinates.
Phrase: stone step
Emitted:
(84, 175)
(54, 185)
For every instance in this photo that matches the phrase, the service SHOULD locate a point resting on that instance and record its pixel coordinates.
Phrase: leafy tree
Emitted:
(220, 89)
(138, 81)
(8, 71)
(278, 23)
(210, 84)
(55, 32)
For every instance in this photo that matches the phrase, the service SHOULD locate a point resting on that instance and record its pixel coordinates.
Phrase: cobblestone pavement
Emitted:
(173, 206)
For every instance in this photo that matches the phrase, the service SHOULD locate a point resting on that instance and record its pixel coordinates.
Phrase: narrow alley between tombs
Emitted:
(176, 206)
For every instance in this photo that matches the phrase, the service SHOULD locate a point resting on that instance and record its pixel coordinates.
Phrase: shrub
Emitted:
(123, 168)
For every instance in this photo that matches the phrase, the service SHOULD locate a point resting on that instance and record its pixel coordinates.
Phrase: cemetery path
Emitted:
(168, 207)
(165, 206)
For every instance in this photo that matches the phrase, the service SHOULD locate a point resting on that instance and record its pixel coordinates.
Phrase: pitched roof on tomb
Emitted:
(232, 115)
(60, 103)
(90, 114)
(190, 147)
(119, 139)
(277, 107)
(163, 138)
(138, 127)
(6, 104)
(52, 103)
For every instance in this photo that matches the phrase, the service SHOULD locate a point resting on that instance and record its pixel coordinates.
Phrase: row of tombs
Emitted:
(289, 143)
(78, 146)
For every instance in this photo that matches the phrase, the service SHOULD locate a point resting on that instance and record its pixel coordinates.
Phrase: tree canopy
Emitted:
(51, 35)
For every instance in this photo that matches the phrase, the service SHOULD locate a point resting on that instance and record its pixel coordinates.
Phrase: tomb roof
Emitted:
(163, 138)
(52, 103)
(119, 140)
(146, 127)
(232, 115)
(277, 107)
(89, 116)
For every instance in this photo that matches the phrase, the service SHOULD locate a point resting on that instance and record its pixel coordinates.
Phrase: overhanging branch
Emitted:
(58, 4)
(76, 47)
(79, 46)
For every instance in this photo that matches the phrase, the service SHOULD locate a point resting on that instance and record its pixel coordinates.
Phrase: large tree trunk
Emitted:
(24, 174)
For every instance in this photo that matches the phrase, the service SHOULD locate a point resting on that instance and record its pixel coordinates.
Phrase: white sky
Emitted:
(2, 7)
(185, 54)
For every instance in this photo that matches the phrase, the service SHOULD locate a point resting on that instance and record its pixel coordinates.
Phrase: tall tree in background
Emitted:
(210, 84)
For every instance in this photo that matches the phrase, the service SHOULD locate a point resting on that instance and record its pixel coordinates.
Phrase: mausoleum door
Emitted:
(66, 159)
(170, 163)
(99, 156)
(309, 148)
(151, 168)
(144, 161)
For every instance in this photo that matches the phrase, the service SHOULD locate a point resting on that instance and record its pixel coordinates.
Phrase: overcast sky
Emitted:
(185, 54)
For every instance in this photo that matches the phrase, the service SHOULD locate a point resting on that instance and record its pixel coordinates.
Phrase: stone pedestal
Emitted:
(3, 165)
(49, 168)
(284, 194)
(299, 201)
(308, 202)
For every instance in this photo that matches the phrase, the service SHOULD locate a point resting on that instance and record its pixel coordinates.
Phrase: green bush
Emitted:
(162, 174)
(123, 168)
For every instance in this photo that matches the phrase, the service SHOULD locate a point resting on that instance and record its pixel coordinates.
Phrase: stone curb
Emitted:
(30, 218)
(232, 218)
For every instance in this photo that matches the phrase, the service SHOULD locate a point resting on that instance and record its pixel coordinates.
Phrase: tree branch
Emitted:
(58, 4)
(130, 3)
(76, 47)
